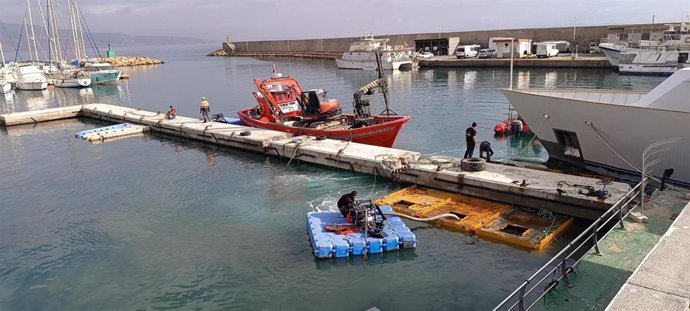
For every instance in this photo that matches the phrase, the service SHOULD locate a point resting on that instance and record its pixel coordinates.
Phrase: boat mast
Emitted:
(2, 55)
(56, 33)
(73, 23)
(33, 35)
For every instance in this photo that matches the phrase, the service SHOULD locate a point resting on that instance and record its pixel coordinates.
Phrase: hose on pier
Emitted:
(437, 217)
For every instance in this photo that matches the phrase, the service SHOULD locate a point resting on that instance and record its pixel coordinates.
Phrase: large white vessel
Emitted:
(607, 131)
(653, 61)
(664, 55)
(361, 55)
(30, 77)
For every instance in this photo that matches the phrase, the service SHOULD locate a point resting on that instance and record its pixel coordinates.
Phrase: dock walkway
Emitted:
(513, 185)
(658, 281)
(662, 281)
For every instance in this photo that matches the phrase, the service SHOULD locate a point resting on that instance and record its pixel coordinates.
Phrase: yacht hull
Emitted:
(104, 77)
(31, 85)
(611, 137)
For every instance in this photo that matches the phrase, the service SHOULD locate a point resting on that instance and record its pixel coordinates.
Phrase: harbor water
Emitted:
(158, 222)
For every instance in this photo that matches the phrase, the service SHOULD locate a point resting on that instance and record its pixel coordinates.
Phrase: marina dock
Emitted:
(560, 193)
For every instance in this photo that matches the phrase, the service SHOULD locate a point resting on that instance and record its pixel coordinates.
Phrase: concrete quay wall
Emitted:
(583, 35)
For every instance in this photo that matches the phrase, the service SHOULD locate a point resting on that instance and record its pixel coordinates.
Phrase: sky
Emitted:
(313, 19)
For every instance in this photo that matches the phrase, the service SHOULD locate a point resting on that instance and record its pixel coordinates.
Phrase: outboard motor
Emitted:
(369, 218)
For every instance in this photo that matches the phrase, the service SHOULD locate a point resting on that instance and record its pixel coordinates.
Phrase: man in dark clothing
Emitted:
(346, 203)
(471, 139)
(485, 147)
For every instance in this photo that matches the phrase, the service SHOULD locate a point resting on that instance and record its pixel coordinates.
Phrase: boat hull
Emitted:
(612, 52)
(382, 134)
(81, 82)
(5, 87)
(611, 137)
(110, 76)
(32, 85)
(367, 61)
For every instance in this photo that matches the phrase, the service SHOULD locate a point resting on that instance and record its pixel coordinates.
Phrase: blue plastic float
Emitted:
(328, 244)
(101, 129)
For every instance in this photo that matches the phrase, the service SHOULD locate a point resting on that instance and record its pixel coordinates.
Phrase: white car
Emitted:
(426, 55)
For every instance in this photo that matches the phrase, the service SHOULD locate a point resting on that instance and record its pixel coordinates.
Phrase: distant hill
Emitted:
(102, 38)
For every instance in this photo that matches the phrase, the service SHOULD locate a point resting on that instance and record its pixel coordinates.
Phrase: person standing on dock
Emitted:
(485, 147)
(205, 109)
(470, 139)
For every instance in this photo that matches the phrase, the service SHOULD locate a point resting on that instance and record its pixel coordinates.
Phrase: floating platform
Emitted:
(526, 228)
(424, 202)
(328, 244)
(114, 131)
(512, 185)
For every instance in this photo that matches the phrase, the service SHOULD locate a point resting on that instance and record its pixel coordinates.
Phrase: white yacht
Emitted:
(31, 77)
(612, 52)
(664, 55)
(653, 61)
(72, 78)
(361, 55)
(607, 131)
(102, 73)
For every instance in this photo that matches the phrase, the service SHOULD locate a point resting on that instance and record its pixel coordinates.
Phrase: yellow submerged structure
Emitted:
(532, 229)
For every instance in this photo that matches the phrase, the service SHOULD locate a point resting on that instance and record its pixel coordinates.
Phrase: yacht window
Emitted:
(570, 146)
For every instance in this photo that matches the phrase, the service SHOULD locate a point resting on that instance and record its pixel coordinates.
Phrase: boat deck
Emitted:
(597, 96)
(508, 184)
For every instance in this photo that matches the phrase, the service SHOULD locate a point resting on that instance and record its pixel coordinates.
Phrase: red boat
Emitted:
(512, 126)
(284, 106)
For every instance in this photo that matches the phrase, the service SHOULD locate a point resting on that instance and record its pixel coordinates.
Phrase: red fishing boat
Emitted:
(284, 106)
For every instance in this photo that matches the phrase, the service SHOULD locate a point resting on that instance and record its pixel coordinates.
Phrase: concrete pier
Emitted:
(36, 116)
(553, 62)
(513, 185)
(662, 281)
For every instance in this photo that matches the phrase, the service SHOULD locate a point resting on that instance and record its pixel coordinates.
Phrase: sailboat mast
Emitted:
(56, 33)
(50, 38)
(31, 25)
(2, 55)
(73, 23)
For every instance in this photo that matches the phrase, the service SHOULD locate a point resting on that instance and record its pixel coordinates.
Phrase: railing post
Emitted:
(620, 216)
(564, 272)
(521, 302)
(595, 239)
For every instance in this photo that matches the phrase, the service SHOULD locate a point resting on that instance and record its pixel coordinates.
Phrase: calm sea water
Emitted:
(157, 222)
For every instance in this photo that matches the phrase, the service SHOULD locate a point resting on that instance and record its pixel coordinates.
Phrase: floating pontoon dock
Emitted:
(564, 194)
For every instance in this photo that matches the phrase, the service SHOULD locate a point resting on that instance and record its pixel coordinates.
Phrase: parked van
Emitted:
(467, 51)
(546, 49)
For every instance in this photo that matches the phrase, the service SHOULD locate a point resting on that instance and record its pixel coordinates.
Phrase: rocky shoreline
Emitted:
(128, 61)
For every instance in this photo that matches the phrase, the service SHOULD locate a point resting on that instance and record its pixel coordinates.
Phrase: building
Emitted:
(522, 47)
(438, 46)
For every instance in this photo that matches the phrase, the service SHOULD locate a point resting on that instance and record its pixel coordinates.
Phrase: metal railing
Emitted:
(563, 263)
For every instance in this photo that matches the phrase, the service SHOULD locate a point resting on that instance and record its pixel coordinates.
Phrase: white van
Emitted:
(546, 49)
(467, 51)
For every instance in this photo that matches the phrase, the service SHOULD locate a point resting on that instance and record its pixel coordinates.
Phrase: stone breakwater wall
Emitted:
(125, 61)
(583, 35)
